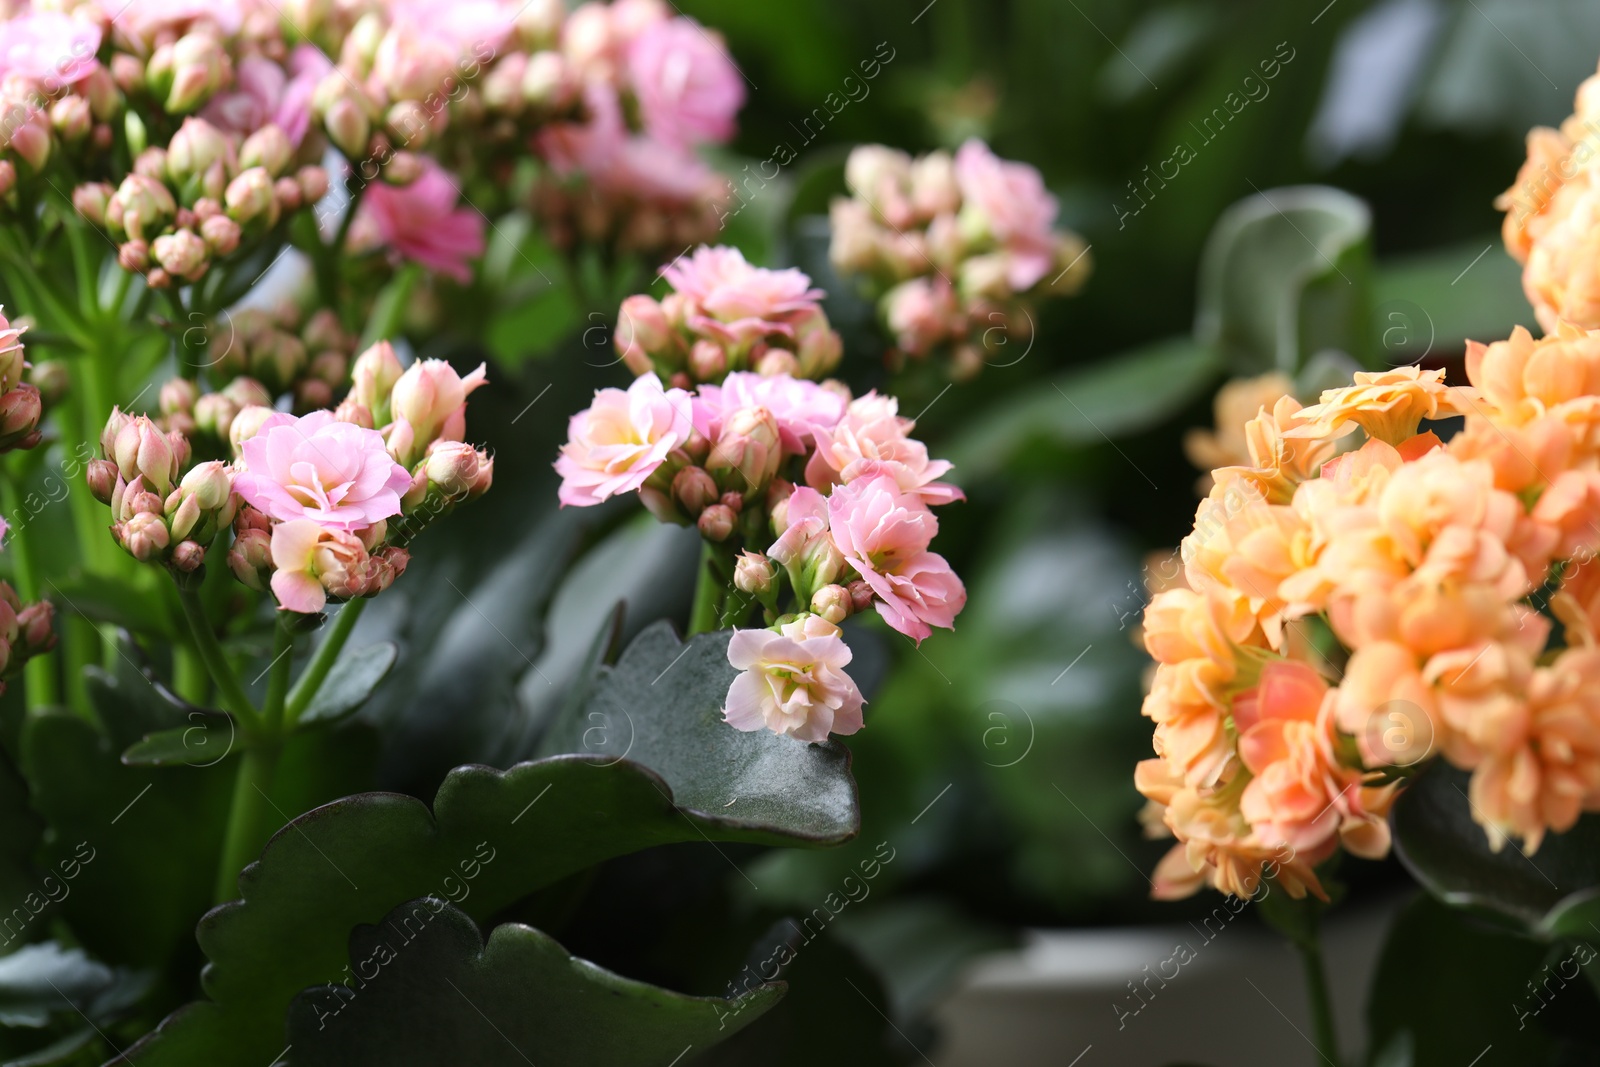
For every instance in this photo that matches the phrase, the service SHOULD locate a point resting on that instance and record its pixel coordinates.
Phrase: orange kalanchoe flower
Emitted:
(1387, 404)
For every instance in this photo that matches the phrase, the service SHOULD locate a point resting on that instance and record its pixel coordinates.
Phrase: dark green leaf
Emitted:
(130, 602)
(207, 741)
(425, 990)
(495, 836)
(1449, 853)
(1283, 276)
(350, 683)
(20, 832)
(1123, 395)
(1433, 304)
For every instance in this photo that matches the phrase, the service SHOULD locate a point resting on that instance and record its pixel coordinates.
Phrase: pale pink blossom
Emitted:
(801, 407)
(423, 222)
(621, 163)
(295, 547)
(141, 22)
(335, 474)
(264, 92)
(884, 534)
(792, 682)
(428, 404)
(48, 47)
(1011, 200)
(620, 440)
(687, 87)
(738, 302)
(872, 438)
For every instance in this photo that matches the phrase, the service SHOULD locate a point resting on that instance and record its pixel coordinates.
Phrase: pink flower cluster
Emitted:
(652, 85)
(832, 492)
(21, 406)
(954, 249)
(321, 505)
(726, 315)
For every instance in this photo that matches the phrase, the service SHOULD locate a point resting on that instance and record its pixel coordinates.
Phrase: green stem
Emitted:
(248, 815)
(39, 674)
(708, 590)
(205, 640)
(190, 679)
(1327, 1037)
(278, 676)
(322, 661)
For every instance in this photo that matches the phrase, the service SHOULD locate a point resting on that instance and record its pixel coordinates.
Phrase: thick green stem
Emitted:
(39, 674)
(205, 640)
(278, 676)
(708, 590)
(322, 661)
(1327, 1037)
(249, 816)
(190, 679)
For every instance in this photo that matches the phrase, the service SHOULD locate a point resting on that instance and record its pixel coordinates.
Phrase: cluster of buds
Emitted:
(955, 250)
(829, 496)
(163, 508)
(57, 99)
(650, 86)
(198, 198)
(723, 316)
(321, 505)
(21, 403)
(26, 630)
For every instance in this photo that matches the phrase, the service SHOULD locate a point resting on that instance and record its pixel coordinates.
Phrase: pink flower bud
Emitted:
(31, 139)
(140, 204)
(818, 347)
(354, 412)
(310, 394)
(268, 148)
(35, 628)
(152, 164)
(221, 234)
(934, 190)
(860, 595)
(324, 331)
(287, 192)
(214, 413)
(20, 411)
(708, 362)
(548, 83)
(108, 436)
(313, 184)
(832, 602)
(187, 556)
(101, 474)
(198, 69)
(485, 478)
(452, 466)
(100, 89)
(347, 125)
(250, 198)
(247, 392)
(373, 378)
(716, 523)
(177, 394)
(144, 536)
(404, 168)
(209, 484)
(71, 118)
(986, 277)
(276, 359)
(754, 574)
(195, 148)
(90, 200)
(502, 85)
(8, 177)
(245, 425)
(330, 368)
(134, 256)
(409, 123)
(777, 363)
(642, 325)
(182, 254)
(250, 558)
(430, 397)
(748, 452)
(128, 71)
(695, 489)
(183, 514)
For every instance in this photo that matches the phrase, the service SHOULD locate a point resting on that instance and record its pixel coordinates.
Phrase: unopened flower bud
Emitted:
(221, 234)
(716, 523)
(452, 466)
(548, 82)
(754, 574)
(268, 148)
(214, 414)
(485, 476)
(108, 436)
(860, 595)
(21, 408)
(250, 198)
(31, 139)
(776, 363)
(354, 412)
(101, 474)
(324, 331)
(373, 378)
(35, 627)
(134, 256)
(145, 536)
(695, 489)
(707, 361)
(194, 149)
(832, 602)
(187, 556)
(250, 558)
(276, 359)
(643, 326)
(8, 177)
(91, 199)
(209, 484)
(313, 183)
(182, 254)
(177, 394)
(818, 346)
(246, 424)
(140, 205)
(71, 118)
(287, 191)
(347, 124)
(747, 452)
(197, 71)
(404, 168)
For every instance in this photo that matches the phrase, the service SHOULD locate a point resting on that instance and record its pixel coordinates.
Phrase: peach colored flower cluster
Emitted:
(828, 496)
(954, 249)
(1552, 223)
(321, 505)
(1348, 613)
(726, 315)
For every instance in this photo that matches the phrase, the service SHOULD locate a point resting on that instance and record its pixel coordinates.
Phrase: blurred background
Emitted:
(1007, 917)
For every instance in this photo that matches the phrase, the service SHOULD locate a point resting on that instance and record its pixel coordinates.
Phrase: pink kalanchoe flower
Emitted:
(305, 554)
(422, 222)
(1010, 198)
(872, 438)
(336, 474)
(793, 681)
(265, 93)
(429, 403)
(801, 407)
(621, 163)
(620, 440)
(738, 302)
(48, 47)
(688, 88)
(884, 532)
